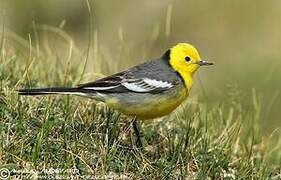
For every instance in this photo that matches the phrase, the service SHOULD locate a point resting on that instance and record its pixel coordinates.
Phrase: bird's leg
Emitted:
(137, 132)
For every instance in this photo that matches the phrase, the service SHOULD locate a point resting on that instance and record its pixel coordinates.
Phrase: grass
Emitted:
(64, 137)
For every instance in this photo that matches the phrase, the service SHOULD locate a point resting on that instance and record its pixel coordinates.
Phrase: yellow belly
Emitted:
(151, 107)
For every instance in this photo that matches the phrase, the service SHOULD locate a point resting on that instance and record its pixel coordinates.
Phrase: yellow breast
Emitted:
(152, 106)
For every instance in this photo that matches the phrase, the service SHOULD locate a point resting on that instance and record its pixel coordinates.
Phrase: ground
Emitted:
(66, 136)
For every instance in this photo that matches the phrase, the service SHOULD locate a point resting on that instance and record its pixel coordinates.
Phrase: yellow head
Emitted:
(185, 59)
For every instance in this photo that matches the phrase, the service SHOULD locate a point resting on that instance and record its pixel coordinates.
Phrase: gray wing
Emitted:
(152, 77)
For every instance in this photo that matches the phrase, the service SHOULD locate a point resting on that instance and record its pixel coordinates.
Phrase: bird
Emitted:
(145, 91)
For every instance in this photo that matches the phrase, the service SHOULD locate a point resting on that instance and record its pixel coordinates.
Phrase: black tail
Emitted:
(51, 90)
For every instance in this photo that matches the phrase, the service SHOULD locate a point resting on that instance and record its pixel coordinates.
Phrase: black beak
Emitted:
(205, 63)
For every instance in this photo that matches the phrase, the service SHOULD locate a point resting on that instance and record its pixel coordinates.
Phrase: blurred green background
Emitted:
(242, 37)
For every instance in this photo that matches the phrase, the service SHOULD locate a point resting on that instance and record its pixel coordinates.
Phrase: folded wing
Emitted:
(124, 82)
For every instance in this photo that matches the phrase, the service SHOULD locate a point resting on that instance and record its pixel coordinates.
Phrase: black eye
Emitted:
(187, 58)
